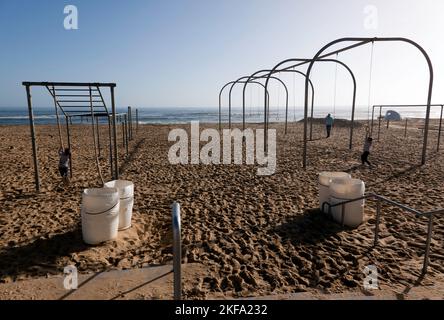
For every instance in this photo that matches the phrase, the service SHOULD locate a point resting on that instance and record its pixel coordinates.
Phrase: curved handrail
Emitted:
(379, 198)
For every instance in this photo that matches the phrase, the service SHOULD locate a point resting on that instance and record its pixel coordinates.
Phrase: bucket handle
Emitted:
(95, 214)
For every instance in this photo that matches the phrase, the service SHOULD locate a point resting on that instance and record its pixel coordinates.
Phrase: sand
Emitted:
(256, 235)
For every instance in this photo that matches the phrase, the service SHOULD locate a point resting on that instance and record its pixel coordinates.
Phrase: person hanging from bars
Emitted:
(328, 124)
(64, 156)
(366, 152)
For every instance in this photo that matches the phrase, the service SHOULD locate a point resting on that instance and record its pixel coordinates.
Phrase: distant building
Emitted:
(391, 115)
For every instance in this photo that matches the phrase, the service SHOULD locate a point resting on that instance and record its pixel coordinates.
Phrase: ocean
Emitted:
(180, 115)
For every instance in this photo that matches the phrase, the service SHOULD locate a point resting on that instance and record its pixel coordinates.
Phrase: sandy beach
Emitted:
(257, 235)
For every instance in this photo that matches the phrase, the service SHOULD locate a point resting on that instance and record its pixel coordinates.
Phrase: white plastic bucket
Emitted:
(342, 190)
(325, 179)
(125, 187)
(100, 215)
(347, 188)
(126, 194)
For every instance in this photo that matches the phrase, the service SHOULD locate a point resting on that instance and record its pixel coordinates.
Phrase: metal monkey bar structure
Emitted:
(74, 99)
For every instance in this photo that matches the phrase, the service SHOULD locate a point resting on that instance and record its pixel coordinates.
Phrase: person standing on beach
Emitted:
(367, 146)
(328, 124)
(64, 155)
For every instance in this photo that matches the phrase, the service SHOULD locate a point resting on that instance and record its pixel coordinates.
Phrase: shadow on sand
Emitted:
(312, 227)
(40, 257)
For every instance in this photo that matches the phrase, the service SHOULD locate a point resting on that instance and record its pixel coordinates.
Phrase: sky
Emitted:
(180, 53)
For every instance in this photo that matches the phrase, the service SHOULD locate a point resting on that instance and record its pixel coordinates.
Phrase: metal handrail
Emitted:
(380, 199)
(177, 252)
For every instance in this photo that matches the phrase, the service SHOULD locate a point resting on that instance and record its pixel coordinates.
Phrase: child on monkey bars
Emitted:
(65, 156)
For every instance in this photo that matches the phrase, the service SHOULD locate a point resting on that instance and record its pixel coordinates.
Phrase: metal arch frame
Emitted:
(220, 100)
(361, 42)
(307, 80)
(249, 80)
(253, 76)
(265, 91)
(381, 106)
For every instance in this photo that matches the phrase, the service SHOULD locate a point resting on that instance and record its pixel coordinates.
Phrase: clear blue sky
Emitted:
(179, 53)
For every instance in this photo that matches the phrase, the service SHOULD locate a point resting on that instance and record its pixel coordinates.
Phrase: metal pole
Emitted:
(69, 145)
(137, 121)
(427, 249)
(378, 217)
(57, 117)
(439, 129)
(116, 161)
(379, 122)
(34, 144)
(129, 123)
(126, 133)
(110, 149)
(405, 130)
(373, 116)
(388, 123)
(177, 252)
(123, 133)
(98, 134)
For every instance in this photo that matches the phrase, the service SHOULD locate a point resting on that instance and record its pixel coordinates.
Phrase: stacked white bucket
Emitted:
(107, 210)
(126, 194)
(100, 214)
(336, 187)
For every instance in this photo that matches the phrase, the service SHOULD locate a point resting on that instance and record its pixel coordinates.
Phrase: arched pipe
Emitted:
(360, 42)
(241, 80)
(220, 99)
(302, 61)
(255, 76)
(243, 99)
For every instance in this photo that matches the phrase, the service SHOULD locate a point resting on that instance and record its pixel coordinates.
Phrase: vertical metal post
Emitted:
(427, 248)
(137, 121)
(405, 129)
(123, 133)
(439, 129)
(378, 219)
(286, 116)
(98, 134)
(379, 122)
(373, 116)
(110, 149)
(388, 123)
(177, 252)
(126, 133)
(57, 116)
(69, 145)
(116, 161)
(34, 144)
(130, 124)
